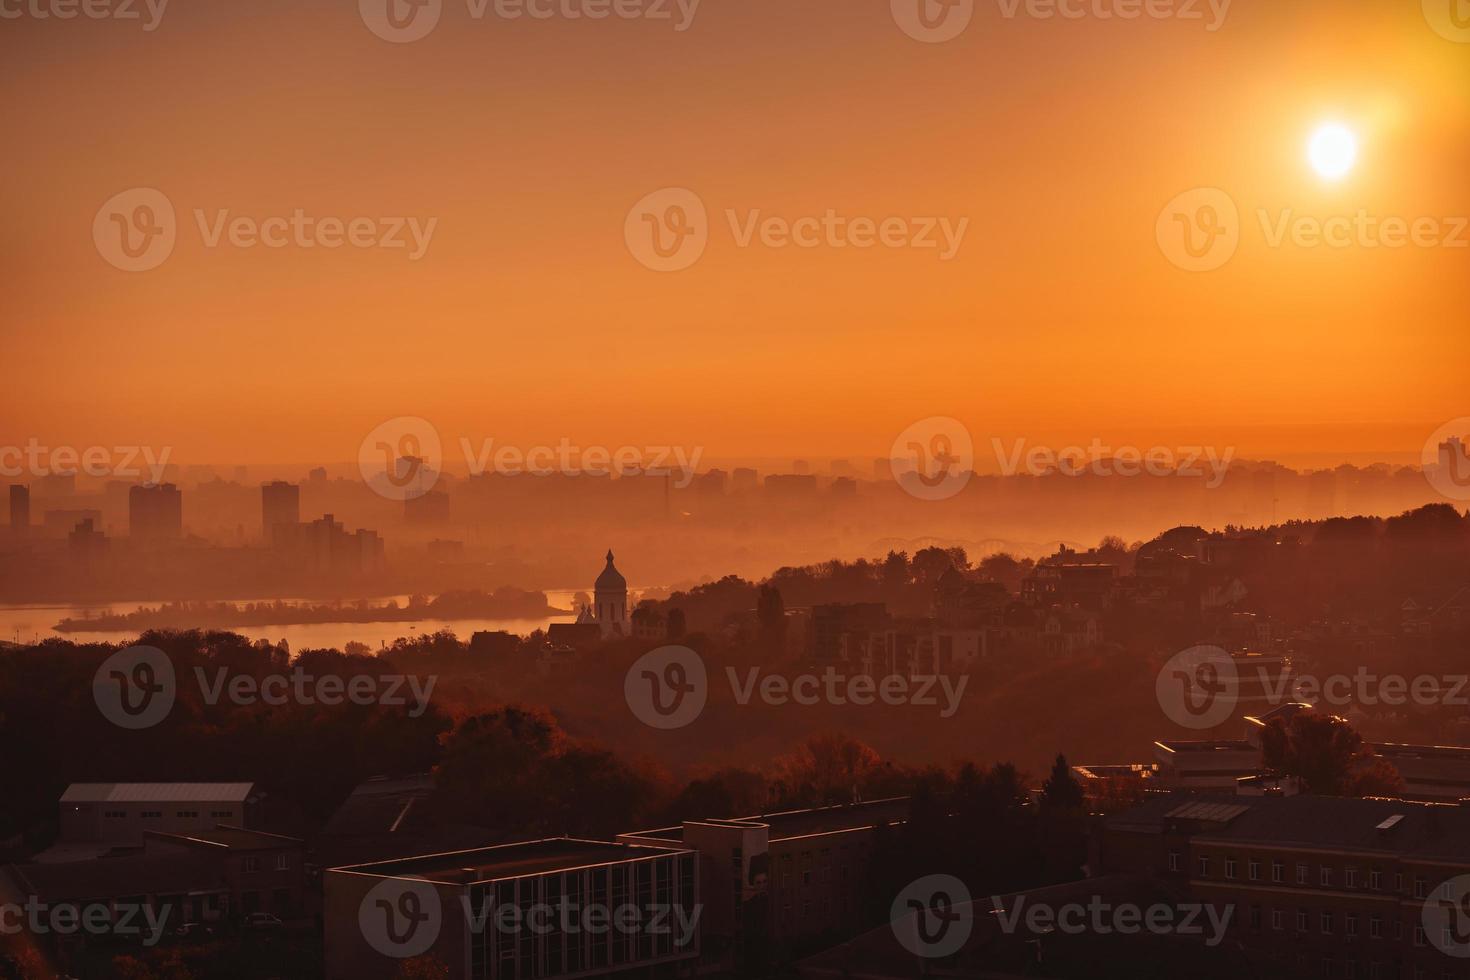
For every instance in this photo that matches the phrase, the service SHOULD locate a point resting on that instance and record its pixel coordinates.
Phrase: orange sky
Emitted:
(528, 320)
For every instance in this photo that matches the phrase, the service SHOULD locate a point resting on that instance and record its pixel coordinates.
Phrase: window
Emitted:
(1418, 935)
(114, 814)
(1419, 887)
(187, 814)
(1326, 877)
(1276, 918)
(806, 877)
(249, 865)
(1398, 881)
(1375, 926)
(1350, 925)
(222, 814)
(152, 814)
(1204, 866)
(1255, 870)
(1375, 879)
(1278, 871)
(1255, 917)
(1350, 877)
(1230, 868)
(1173, 860)
(1301, 874)
(1301, 920)
(283, 862)
(1326, 921)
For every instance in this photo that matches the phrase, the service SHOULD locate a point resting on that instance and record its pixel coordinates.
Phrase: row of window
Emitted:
(250, 865)
(180, 814)
(1351, 877)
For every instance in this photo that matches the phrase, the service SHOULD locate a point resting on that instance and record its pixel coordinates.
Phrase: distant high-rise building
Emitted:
(280, 506)
(20, 510)
(744, 479)
(85, 542)
(330, 548)
(430, 508)
(155, 513)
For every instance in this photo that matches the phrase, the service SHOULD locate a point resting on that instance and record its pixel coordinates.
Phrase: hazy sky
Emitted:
(528, 318)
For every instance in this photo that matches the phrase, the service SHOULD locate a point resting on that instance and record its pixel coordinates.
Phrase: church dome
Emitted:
(611, 580)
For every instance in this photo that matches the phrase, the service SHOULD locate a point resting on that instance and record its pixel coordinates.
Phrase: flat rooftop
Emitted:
(1218, 745)
(157, 792)
(509, 860)
(231, 838)
(788, 824)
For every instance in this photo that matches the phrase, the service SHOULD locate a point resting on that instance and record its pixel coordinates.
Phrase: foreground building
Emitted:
(1320, 886)
(543, 909)
(780, 882)
(706, 896)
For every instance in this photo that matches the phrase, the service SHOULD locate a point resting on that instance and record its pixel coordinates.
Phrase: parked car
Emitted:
(262, 921)
(194, 930)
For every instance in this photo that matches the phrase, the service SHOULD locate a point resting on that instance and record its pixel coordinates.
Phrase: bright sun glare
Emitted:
(1333, 150)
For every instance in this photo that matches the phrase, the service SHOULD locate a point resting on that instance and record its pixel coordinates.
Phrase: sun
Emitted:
(1333, 150)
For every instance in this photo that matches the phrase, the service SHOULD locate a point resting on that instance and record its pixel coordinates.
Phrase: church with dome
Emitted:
(609, 609)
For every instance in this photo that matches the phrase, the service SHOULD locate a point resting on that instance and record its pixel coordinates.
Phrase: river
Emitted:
(32, 623)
